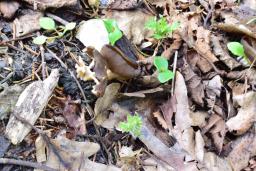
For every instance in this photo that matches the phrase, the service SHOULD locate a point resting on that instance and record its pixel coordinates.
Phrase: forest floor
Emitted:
(139, 85)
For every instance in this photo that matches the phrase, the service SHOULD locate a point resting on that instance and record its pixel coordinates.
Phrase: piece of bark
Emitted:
(29, 106)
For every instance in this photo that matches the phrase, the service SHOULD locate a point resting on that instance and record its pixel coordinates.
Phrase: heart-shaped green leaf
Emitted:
(165, 76)
(70, 26)
(114, 33)
(160, 63)
(236, 48)
(47, 23)
(39, 40)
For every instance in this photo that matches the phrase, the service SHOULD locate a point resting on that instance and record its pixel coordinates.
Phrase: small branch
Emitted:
(174, 70)
(55, 17)
(27, 164)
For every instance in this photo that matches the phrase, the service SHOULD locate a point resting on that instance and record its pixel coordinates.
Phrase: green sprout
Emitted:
(49, 25)
(161, 27)
(132, 125)
(237, 49)
(114, 33)
(161, 64)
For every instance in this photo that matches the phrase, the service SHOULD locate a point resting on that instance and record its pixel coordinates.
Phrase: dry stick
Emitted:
(60, 20)
(42, 59)
(174, 70)
(45, 138)
(26, 163)
(16, 39)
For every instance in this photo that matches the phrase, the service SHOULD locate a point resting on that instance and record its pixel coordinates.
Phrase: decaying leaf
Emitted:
(8, 8)
(104, 103)
(74, 116)
(246, 114)
(168, 109)
(43, 4)
(131, 23)
(182, 116)
(217, 127)
(243, 149)
(8, 99)
(194, 83)
(27, 23)
(123, 4)
(160, 119)
(29, 106)
(74, 155)
(222, 53)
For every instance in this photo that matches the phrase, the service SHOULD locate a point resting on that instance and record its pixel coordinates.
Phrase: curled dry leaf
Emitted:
(43, 4)
(220, 51)
(29, 106)
(194, 83)
(217, 128)
(104, 103)
(168, 109)
(131, 23)
(74, 154)
(160, 119)
(246, 113)
(27, 23)
(9, 8)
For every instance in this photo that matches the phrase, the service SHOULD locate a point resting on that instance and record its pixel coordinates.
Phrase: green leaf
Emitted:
(47, 23)
(160, 63)
(114, 33)
(40, 40)
(132, 125)
(151, 24)
(70, 26)
(165, 76)
(175, 25)
(236, 48)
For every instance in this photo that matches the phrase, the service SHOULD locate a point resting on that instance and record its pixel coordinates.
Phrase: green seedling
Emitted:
(114, 33)
(161, 27)
(237, 49)
(164, 74)
(132, 125)
(49, 25)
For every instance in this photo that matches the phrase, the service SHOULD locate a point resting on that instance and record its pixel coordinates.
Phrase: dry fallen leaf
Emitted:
(43, 4)
(131, 23)
(9, 8)
(168, 109)
(73, 153)
(27, 23)
(243, 149)
(8, 99)
(104, 103)
(246, 113)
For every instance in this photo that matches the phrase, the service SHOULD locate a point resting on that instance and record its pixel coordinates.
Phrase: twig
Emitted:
(26, 163)
(45, 138)
(60, 20)
(16, 39)
(174, 70)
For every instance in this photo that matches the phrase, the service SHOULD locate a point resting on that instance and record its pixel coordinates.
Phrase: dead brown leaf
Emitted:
(74, 154)
(160, 119)
(221, 52)
(168, 109)
(246, 114)
(43, 4)
(9, 8)
(74, 116)
(243, 149)
(104, 103)
(131, 23)
(124, 4)
(194, 83)
(27, 23)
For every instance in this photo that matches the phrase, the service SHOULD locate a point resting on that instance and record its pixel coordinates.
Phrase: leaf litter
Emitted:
(99, 98)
